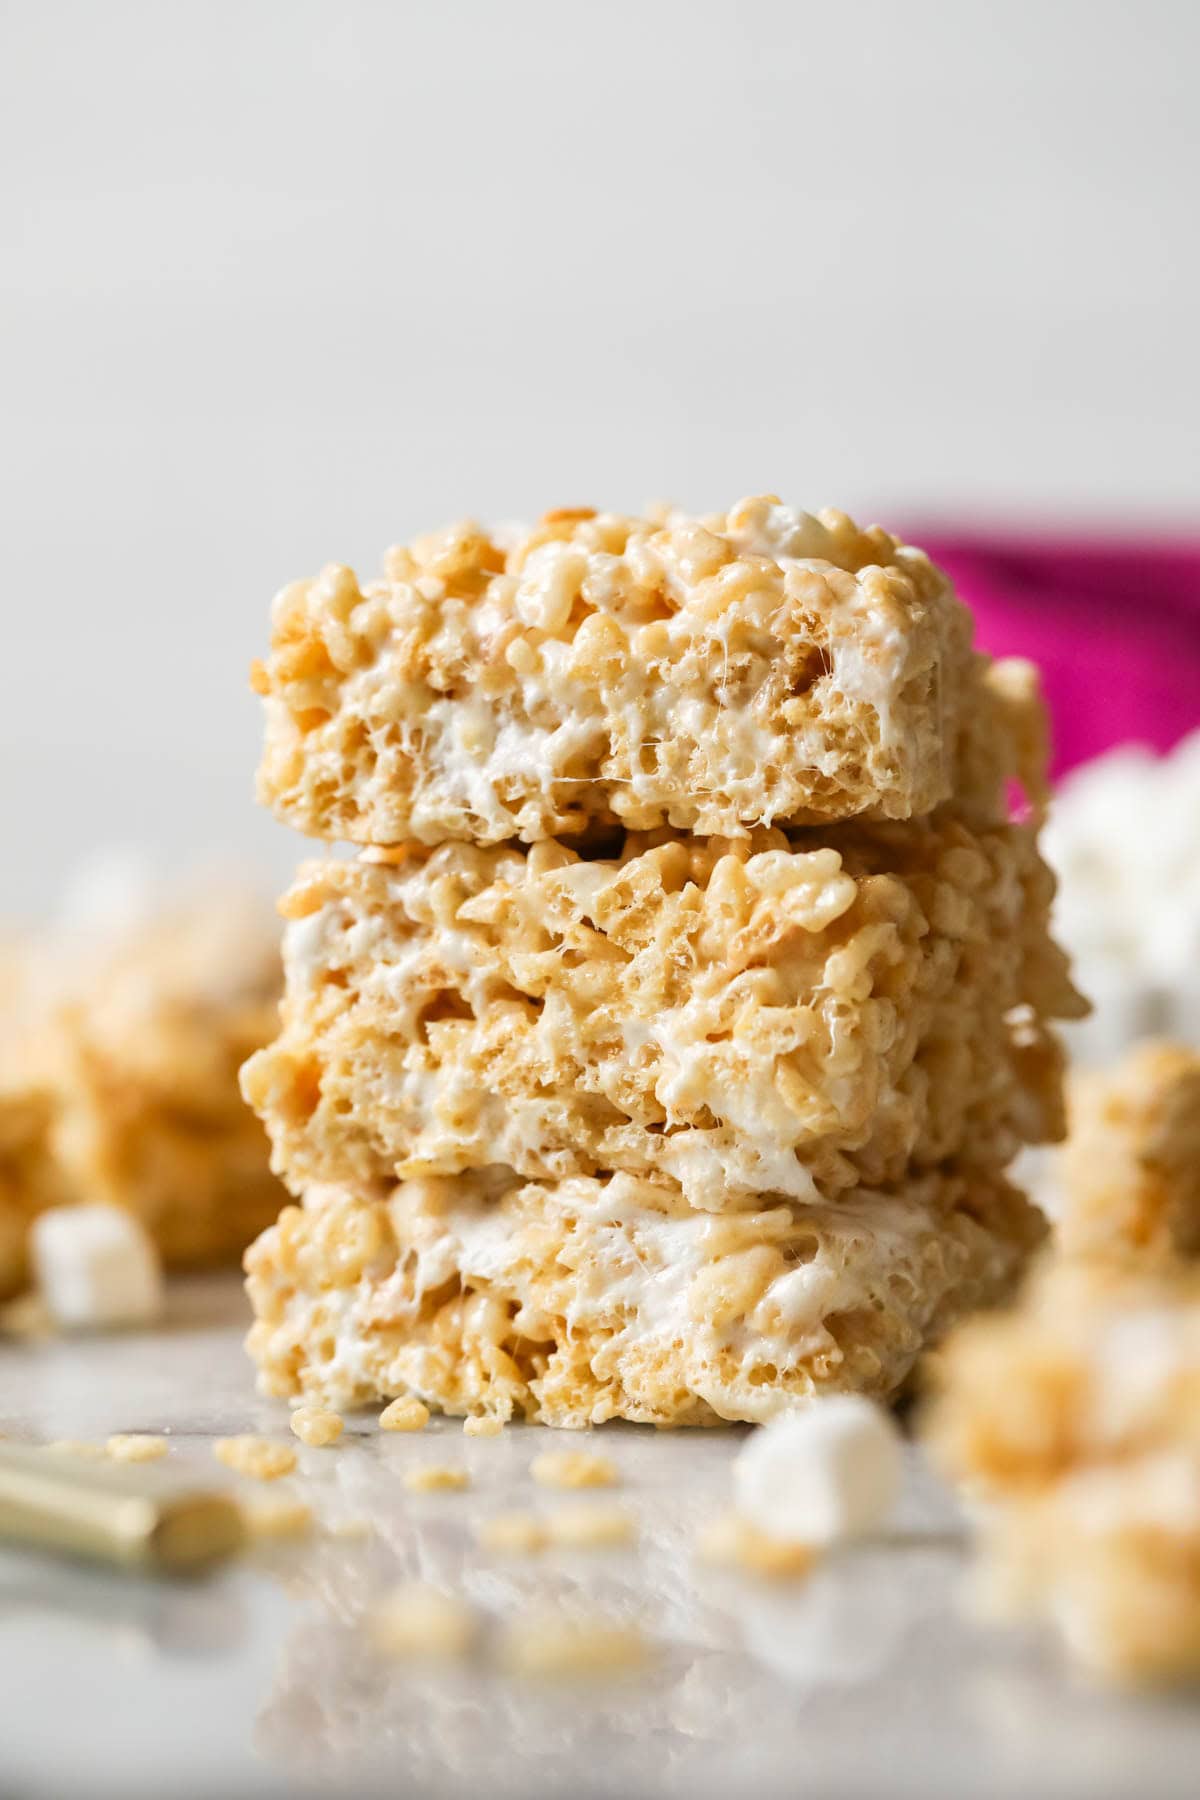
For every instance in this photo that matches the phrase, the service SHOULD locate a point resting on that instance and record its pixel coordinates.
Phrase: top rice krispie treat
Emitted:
(1131, 1165)
(755, 668)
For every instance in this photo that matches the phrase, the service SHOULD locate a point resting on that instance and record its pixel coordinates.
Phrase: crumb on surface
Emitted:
(734, 1543)
(276, 1516)
(349, 1529)
(316, 1427)
(417, 1620)
(520, 1532)
(80, 1447)
(547, 1645)
(482, 1425)
(573, 1469)
(590, 1528)
(256, 1456)
(136, 1446)
(429, 1478)
(405, 1414)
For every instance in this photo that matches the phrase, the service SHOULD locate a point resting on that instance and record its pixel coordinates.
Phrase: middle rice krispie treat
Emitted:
(750, 1017)
(661, 1055)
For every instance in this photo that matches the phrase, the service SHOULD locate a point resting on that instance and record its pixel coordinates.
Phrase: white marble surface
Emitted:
(869, 1678)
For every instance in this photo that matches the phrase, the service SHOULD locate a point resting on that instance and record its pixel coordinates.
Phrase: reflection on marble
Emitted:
(866, 1678)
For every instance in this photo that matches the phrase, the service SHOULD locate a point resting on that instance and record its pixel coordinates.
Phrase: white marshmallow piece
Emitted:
(96, 1268)
(822, 1475)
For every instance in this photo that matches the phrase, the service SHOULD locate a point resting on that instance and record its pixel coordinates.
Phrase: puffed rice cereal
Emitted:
(549, 1646)
(419, 1621)
(404, 1414)
(316, 1428)
(136, 1447)
(255, 1456)
(432, 1478)
(573, 1469)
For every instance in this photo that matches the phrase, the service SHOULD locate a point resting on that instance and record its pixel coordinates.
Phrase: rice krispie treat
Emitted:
(758, 667)
(119, 1080)
(583, 1300)
(1131, 1164)
(30, 1179)
(1075, 1421)
(746, 1016)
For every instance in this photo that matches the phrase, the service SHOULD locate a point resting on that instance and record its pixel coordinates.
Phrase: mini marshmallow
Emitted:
(95, 1267)
(830, 1472)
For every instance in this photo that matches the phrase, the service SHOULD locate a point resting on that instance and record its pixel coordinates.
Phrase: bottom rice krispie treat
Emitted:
(594, 1298)
(1075, 1422)
(118, 1078)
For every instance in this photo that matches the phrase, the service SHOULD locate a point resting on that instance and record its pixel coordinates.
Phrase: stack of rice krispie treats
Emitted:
(662, 1052)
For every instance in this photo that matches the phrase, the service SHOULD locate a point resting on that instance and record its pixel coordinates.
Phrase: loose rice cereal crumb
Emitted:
(546, 1645)
(482, 1425)
(404, 1414)
(516, 1531)
(428, 1478)
(315, 1427)
(734, 1543)
(276, 1516)
(256, 1456)
(417, 1620)
(573, 1469)
(590, 1528)
(136, 1447)
(349, 1528)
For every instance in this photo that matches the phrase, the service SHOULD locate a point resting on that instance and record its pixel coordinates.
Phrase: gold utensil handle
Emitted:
(137, 1519)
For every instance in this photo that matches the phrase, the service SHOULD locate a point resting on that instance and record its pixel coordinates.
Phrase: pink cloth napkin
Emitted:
(1114, 624)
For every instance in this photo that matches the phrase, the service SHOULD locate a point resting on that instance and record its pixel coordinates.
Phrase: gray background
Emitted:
(284, 283)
